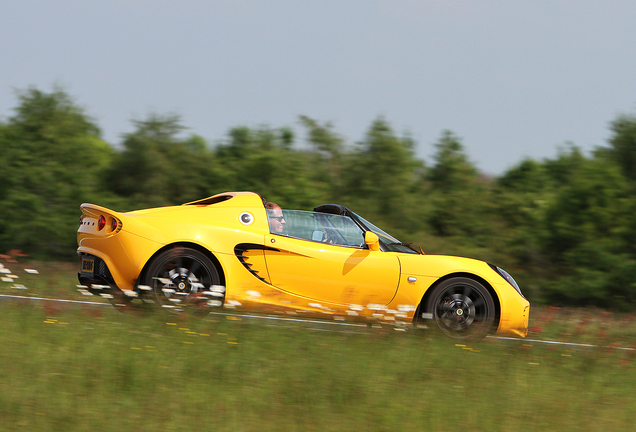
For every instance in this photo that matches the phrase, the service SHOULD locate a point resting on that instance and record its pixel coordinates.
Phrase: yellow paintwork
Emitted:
(332, 274)
(300, 277)
(429, 268)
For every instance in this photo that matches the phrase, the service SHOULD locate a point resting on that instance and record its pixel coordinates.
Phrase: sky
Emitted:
(512, 78)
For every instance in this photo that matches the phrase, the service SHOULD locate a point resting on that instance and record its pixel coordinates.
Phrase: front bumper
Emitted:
(514, 318)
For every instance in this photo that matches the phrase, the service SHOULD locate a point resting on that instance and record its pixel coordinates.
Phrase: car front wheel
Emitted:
(462, 308)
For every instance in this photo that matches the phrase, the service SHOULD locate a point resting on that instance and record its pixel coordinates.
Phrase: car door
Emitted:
(334, 267)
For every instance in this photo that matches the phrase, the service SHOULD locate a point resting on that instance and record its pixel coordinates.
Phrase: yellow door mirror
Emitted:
(372, 240)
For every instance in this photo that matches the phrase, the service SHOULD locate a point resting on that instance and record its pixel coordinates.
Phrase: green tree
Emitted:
(264, 161)
(566, 165)
(326, 158)
(452, 169)
(521, 196)
(54, 160)
(156, 167)
(623, 144)
(460, 197)
(584, 237)
(380, 176)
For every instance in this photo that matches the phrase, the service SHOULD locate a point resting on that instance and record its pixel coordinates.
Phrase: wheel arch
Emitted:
(484, 282)
(190, 245)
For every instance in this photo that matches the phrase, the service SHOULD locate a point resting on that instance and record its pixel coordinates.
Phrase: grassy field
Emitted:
(82, 367)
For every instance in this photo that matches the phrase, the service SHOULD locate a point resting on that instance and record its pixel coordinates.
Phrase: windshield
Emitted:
(336, 229)
(391, 243)
(319, 227)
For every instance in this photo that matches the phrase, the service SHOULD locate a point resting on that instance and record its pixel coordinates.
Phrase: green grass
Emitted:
(53, 280)
(79, 367)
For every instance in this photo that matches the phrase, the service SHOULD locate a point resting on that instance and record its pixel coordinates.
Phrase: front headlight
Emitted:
(504, 274)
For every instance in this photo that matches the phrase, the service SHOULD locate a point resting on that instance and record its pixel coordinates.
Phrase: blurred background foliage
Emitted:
(564, 227)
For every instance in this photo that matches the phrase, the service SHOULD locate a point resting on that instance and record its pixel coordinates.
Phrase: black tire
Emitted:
(182, 280)
(462, 308)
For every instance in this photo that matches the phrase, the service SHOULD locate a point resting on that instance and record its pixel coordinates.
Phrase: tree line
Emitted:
(564, 227)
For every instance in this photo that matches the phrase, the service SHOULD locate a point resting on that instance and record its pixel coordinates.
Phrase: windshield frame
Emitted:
(388, 243)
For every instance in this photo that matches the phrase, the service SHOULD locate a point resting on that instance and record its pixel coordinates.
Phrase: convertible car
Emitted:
(236, 251)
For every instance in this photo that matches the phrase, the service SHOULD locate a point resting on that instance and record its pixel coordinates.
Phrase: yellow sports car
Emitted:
(234, 250)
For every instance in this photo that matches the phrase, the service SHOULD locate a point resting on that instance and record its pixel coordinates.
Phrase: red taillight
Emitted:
(101, 223)
(113, 224)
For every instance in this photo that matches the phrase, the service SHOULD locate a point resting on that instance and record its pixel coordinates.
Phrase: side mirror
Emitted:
(372, 240)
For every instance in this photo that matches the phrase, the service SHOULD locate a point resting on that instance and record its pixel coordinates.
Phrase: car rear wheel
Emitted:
(462, 308)
(185, 280)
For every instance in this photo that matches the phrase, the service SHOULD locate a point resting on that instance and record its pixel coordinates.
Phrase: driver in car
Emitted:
(276, 219)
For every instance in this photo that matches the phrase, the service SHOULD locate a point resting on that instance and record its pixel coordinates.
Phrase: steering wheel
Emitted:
(330, 236)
